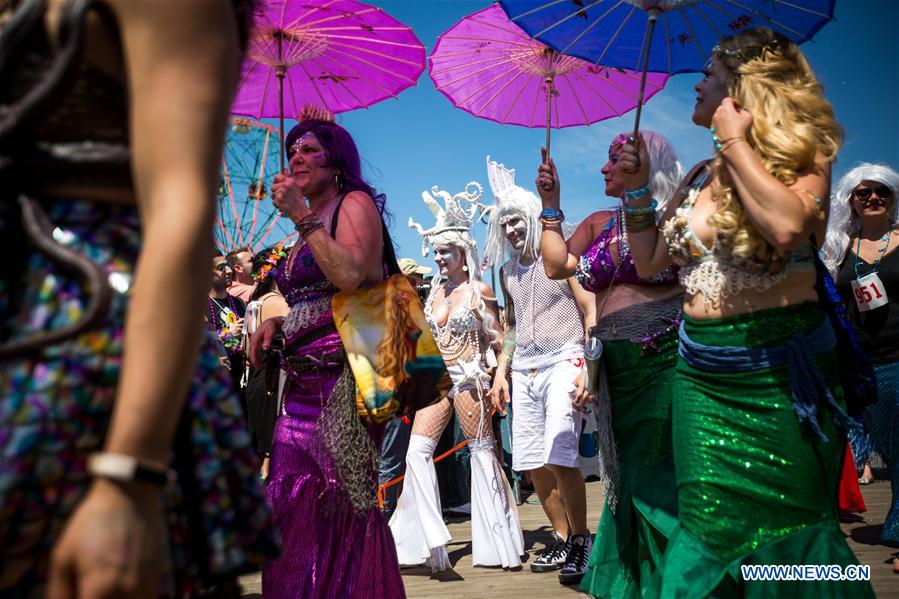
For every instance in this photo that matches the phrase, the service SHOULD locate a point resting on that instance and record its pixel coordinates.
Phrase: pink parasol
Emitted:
(490, 67)
(338, 54)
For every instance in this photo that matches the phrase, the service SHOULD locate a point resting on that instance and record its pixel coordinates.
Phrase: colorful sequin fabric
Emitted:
(631, 538)
(596, 270)
(56, 409)
(755, 485)
(323, 480)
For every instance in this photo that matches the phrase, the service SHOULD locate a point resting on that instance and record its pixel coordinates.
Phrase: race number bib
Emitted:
(869, 292)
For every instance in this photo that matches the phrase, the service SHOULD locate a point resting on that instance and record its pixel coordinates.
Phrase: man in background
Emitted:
(241, 263)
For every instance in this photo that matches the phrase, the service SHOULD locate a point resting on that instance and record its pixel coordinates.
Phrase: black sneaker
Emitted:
(576, 561)
(552, 557)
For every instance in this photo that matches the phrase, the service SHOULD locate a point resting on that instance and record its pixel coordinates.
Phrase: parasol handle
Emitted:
(549, 100)
(653, 18)
(280, 70)
(279, 73)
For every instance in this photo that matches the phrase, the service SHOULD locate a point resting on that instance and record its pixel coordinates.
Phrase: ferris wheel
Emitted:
(245, 215)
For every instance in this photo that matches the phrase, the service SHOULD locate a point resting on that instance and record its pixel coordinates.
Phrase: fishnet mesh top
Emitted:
(549, 326)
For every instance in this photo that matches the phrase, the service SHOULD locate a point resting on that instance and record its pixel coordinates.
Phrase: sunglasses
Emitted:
(221, 267)
(864, 193)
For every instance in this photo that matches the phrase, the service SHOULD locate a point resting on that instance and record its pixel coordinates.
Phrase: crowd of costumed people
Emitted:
(728, 326)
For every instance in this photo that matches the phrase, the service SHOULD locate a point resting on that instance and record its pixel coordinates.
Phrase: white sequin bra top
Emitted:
(704, 271)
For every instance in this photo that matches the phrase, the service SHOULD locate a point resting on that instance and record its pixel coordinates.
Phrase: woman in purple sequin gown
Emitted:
(323, 480)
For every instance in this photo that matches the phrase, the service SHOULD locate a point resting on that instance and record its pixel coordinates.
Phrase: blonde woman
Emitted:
(462, 313)
(757, 449)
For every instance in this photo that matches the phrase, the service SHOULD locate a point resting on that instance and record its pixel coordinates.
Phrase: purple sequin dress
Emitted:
(323, 481)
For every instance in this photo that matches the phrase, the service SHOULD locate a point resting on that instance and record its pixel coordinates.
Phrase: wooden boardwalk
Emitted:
(465, 581)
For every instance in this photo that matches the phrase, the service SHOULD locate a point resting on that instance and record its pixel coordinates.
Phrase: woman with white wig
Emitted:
(462, 313)
(860, 252)
(637, 325)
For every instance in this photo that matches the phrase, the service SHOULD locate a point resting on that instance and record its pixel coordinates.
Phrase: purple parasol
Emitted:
(338, 54)
(490, 67)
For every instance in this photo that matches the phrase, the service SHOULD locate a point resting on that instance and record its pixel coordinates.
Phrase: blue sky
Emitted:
(419, 140)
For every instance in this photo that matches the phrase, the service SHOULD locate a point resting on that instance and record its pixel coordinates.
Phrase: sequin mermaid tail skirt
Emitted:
(55, 411)
(632, 536)
(883, 425)
(321, 488)
(755, 486)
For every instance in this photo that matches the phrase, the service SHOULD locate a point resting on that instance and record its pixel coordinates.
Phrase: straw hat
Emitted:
(408, 266)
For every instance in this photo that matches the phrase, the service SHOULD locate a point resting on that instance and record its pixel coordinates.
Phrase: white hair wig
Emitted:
(843, 221)
(665, 170)
(469, 248)
(520, 202)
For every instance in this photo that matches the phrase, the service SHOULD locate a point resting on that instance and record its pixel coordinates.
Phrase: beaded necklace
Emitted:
(448, 288)
(223, 333)
(881, 252)
(453, 344)
(212, 307)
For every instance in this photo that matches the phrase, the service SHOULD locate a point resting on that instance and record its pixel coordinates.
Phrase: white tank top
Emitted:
(549, 326)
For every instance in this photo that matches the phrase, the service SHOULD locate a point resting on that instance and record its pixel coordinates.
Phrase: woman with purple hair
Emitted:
(637, 327)
(323, 471)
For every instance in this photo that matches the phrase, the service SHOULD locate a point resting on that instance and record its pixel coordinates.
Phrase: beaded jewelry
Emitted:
(881, 252)
(641, 218)
(309, 223)
(728, 143)
(231, 342)
(723, 144)
(551, 216)
(641, 210)
(631, 195)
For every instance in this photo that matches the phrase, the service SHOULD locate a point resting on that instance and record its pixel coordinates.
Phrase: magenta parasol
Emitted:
(490, 67)
(338, 54)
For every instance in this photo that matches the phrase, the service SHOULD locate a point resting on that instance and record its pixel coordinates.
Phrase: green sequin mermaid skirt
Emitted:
(754, 485)
(631, 538)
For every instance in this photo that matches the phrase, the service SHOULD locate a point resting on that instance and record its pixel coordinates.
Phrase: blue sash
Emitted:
(807, 383)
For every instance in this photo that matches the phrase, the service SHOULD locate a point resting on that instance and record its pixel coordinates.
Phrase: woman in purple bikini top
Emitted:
(597, 270)
(598, 254)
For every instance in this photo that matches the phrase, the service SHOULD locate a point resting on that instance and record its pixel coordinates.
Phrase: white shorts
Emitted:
(545, 421)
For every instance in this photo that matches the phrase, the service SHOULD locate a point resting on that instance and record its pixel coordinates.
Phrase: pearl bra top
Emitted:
(705, 271)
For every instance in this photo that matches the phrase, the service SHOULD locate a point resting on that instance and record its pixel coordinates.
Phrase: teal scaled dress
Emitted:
(757, 449)
(640, 352)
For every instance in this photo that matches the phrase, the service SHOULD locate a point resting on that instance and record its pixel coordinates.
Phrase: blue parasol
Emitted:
(619, 33)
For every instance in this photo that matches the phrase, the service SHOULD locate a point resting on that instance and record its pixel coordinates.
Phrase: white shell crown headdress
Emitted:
(453, 216)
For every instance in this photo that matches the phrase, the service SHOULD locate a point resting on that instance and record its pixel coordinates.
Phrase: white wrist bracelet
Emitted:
(126, 468)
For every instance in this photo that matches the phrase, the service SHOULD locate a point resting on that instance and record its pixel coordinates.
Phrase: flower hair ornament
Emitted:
(453, 216)
(510, 199)
(270, 268)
